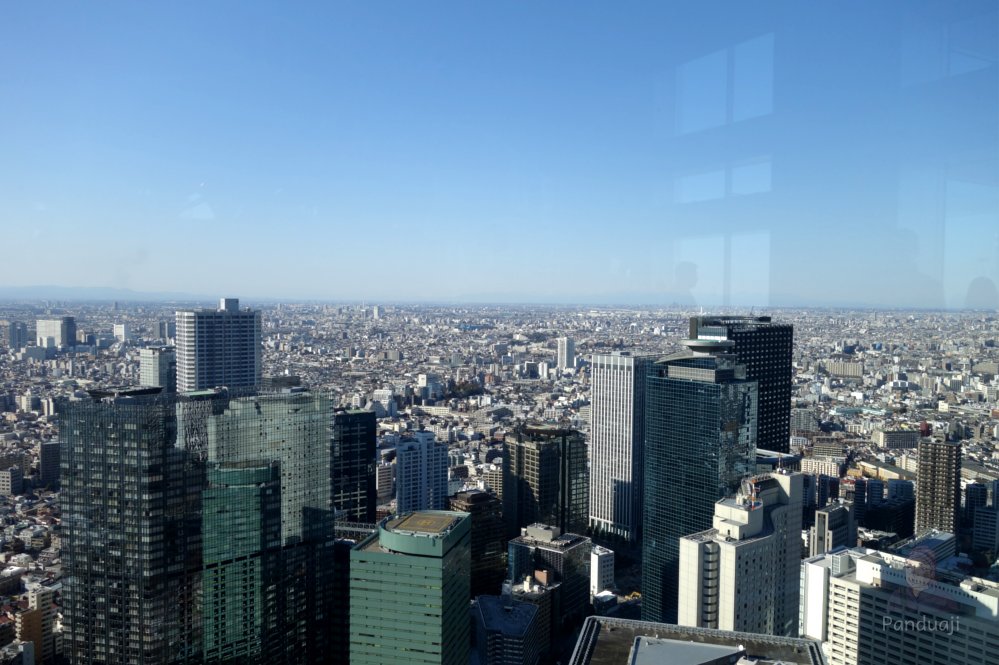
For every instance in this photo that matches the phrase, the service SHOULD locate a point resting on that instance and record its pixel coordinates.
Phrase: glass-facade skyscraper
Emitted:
(241, 520)
(353, 464)
(282, 441)
(545, 479)
(700, 434)
(131, 531)
(765, 347)
(197, 528)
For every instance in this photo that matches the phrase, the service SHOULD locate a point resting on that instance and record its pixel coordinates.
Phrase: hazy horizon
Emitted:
(733, 154)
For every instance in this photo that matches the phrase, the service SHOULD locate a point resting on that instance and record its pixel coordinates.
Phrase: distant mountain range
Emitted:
(625, 299)
(87, 293)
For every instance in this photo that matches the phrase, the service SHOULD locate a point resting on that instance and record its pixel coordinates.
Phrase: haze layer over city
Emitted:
(499, 334)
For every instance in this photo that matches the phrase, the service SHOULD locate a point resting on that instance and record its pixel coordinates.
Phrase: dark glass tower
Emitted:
(353, 465)
(197, 528)
(131, 531)
(487, 542)
(546, 479)
(700, 433)
(765, 348)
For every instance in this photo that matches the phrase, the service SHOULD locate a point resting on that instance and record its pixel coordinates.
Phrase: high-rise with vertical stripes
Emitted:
(616, 441)
(218, 347)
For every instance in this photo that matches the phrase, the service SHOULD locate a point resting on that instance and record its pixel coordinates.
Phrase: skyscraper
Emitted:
(218, 347)
(938, 486)
(242, 620)
(158, 367)
(409, 591)
(545, 479)
(700, 436)
(48, 463)
(421, 474)
(742, 574)
(267, 497)
(566, 353)
(487, 541)
(765, 348)
(617, 436)
(126, 598)
(15, 334)
(56, 333)
(353, 464)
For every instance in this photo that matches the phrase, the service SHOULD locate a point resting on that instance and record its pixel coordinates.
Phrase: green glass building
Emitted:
(409, 586)
(700, 441)
(269, 543)
(241, 562)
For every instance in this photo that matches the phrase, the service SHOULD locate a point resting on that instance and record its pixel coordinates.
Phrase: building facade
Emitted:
(48, 463)
(700, 442)
(15, 334)
(834, 527)
(271, 455)
(617, 436)
(409, 591)
(218, 347)
(765, 348)
(353, 464)
(487, 540)
(421, 474)
(742, 575)
(127, 599)
(938, 486)
(508, 631)
(566, 559)
(874, 607)
(56, 333)
(566, 354)
(545, 479)
(158, 367)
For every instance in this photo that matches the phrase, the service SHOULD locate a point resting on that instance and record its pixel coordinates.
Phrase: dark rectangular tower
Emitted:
(765, 348)
(938, 486)
(130, 524)
(353, 464)
(545, 479)
(700, 430)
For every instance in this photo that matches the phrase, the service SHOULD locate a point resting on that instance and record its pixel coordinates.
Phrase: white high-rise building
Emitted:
(55, 333)
(617, 416)
(158, 367)
(743, 575)
(218, 347)
(122, 332)
(868, 606)
(421, 474)
(566, 354)
(601, 570)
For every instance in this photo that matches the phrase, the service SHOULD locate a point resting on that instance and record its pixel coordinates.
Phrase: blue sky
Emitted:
(703, 153)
